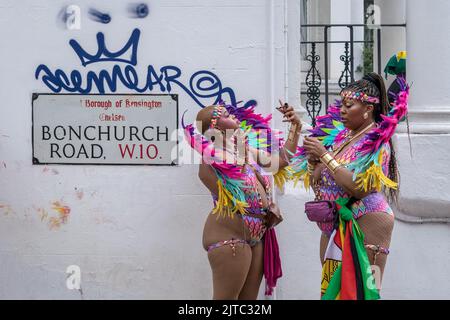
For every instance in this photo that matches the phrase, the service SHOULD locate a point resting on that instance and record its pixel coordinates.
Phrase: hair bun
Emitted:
(371, 78)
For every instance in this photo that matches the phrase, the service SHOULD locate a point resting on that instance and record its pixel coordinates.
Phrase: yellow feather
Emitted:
(281, 177)
(224, 205)
(307, 180)
(374, 179)
(301, 175)
(297, 176)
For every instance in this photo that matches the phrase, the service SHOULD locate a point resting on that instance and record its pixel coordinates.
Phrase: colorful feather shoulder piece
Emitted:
(230, 179)
(259, 133)
(367, 168)
(329, 130)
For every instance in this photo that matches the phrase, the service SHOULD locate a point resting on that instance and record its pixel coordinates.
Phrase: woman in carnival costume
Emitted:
(238, 147)
(349, 161)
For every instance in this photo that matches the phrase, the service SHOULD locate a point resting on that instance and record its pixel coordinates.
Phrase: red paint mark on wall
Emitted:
(63, 214)
(53, 171)
(6, 208)
(55, 221)
(79, 193)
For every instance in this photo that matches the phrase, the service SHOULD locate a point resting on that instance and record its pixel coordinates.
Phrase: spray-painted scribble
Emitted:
(98, 16)
(103, 54)
(70, 17)
(139, 10)
(202, 84)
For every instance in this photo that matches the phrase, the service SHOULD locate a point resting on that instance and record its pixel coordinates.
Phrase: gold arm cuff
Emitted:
(326, 158)
(333, 165)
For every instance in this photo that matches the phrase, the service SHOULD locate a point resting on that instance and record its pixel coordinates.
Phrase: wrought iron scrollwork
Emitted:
(313, 82)
(313, 79)
(344, 79)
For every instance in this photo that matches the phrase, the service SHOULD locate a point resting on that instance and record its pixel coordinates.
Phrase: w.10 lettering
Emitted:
(138, 151)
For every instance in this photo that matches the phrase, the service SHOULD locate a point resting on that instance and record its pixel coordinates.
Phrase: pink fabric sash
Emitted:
(272, 261)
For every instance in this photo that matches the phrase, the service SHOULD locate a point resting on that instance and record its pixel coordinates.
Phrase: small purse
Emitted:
(320, 211)
(274, 216)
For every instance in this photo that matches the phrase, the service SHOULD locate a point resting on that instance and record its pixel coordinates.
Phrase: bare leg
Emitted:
(255, 274)
(229, 272)
(377, 228)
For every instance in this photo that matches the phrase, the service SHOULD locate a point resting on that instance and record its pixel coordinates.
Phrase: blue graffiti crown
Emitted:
(103, 54)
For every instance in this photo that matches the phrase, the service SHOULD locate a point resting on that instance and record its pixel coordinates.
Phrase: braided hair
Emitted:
(373, 85)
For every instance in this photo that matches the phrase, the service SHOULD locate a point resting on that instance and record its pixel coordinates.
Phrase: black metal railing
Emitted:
(313, 79)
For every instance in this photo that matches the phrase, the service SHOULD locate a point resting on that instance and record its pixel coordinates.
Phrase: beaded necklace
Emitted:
(352, 138)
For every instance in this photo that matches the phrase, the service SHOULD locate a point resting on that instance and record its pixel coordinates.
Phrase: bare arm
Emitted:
(344, 178)
(208, 177)
(290, 144)
(283, 157)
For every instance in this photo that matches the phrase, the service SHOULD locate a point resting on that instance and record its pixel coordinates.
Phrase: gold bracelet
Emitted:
(333, 165)
(323, 154)
(329, 161)
(326, 158)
